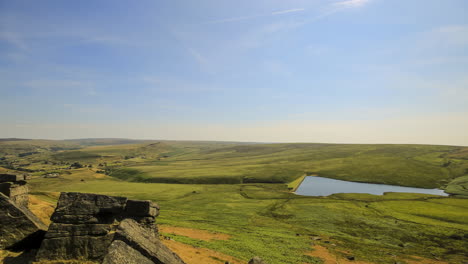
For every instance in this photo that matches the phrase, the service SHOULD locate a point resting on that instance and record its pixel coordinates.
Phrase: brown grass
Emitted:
(42, 209)
(3, 170)
(193, 255)
(193, 233)
(421, 260)
(329, 258)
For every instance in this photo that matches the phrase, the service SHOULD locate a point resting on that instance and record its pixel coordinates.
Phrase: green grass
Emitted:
(268, 221)
(254, 203)
(423, 166)
(296, 183)
(75, 155)
(458, 187)
(405, 165)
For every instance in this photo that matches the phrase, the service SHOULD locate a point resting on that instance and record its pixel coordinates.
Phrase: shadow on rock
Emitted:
(26, 257)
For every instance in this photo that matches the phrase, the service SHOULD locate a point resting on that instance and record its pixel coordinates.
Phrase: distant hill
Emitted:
(13, 139)
(106, 141)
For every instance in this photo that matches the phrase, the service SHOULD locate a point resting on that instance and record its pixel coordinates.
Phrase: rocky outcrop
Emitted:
(5, 177)
(14, 187)
(134, 238)
(257, 260)
(19, 227)
(121, 253)
(105, 229)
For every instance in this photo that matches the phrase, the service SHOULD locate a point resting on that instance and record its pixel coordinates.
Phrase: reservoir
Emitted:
(319, 186)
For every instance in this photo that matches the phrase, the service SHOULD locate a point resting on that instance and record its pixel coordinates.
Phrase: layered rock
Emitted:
(105, 229)
(133, 238)
(14, 187)
(5, 177)
(19, 227)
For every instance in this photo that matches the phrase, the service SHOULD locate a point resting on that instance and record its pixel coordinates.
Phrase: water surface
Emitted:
(319, 186)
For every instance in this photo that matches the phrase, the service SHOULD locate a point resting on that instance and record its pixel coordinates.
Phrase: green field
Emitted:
(254, 205)
(268, 221)
(234, 163)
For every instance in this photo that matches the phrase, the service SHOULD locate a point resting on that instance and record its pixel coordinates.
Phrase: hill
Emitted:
(253, 208)
(425, 166)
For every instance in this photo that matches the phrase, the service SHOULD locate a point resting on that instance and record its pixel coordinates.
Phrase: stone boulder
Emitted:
(257, 260)
(104, 229)
(14, 187)
(82, 208)
(121, 253)
(4, 177)
(17, 192)
(138, 239)
(19, 227)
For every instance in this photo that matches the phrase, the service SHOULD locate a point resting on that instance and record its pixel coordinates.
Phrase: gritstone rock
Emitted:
(106, 229)
(14, 187)
(19, 227)
(257, 260)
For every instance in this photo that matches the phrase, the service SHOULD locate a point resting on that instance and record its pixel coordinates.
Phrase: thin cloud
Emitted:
(327, 11)
(276, 13)
(233, 19)
(340, 6)
(199, 58)
(352, 3)
(288, 11)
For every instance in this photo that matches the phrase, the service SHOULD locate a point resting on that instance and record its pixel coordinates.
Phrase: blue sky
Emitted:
(344, 71)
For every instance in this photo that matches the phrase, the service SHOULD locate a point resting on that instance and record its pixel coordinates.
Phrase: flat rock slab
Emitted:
(79, 208)
(145, 242)
(121, 253)
(141, 208)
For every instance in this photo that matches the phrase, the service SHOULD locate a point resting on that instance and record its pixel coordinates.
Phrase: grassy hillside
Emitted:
(406, 165)
(268, 221)
(225, 162)
(254, 206)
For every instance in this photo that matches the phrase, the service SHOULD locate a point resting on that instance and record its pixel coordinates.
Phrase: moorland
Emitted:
(244, 192)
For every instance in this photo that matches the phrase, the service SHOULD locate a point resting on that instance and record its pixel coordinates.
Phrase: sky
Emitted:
(336, 71)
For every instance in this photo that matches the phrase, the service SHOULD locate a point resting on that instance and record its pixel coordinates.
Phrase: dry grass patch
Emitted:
(3, 170)
(193, 255)
(421, 260)
(193, 233)
(42, 209)
(328, 258)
